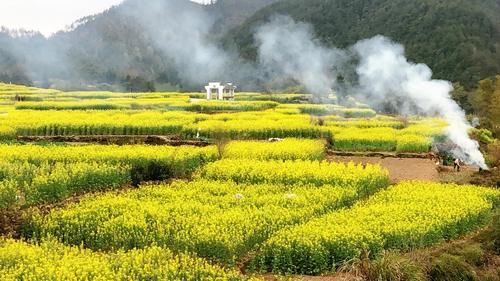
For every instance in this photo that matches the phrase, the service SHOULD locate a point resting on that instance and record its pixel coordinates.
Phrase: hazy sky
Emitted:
(48, 16)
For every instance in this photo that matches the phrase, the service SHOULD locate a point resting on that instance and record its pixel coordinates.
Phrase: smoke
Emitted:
(288, 48)
(182, 31)
(385, 74)
(166, 40)
(26, 56)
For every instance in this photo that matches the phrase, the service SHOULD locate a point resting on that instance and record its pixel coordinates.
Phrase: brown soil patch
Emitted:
(10, 221)
(447, 175)
(487, 178)
(400, 169)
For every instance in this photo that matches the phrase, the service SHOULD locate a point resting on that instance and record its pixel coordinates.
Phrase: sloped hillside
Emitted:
(459, 40)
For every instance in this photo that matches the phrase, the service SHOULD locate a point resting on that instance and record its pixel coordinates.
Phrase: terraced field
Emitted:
(240, 207)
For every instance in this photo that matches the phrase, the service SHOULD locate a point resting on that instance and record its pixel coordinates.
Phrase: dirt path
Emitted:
(400, 169)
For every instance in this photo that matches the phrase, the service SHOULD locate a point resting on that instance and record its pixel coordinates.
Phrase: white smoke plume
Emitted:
(288, 48)
(386, 74)
(182, 31)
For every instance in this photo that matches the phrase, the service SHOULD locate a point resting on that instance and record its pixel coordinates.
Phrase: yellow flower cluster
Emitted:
(220, 220)
(180, 160)
(377, 138)
(105, 95)
(51, 173)
(144, 114)
(430, 127)
(413, 143)
(281, 98)
(6, 132)
(365, 123)
(25, 184)
(409, 215)
(8, 193)
(252, 126)
(175, 103)
(288, 149)
(108, 104)
(367, 177)
(49, 123)
(53, 261)
(217, 106)
(372, 139)
(11, 90)
(330, 109)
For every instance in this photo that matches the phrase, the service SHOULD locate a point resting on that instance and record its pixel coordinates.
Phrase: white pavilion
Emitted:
(220, 91)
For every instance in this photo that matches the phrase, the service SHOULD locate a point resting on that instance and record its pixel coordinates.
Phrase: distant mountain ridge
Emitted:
(110, 48)
(458, 39)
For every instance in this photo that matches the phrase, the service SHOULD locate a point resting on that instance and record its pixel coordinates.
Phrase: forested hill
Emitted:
(458, 39)
(232, 13)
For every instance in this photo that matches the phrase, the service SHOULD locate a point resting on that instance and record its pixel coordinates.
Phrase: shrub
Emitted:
(150, 171)
(451, 268)
(472, 254)
(493, 154)
(392, 267)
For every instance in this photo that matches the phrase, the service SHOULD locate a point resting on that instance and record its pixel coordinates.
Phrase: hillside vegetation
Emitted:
(231, 13)
(459, 40)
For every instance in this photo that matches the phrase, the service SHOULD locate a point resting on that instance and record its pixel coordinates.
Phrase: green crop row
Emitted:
(181, 103)
(255, 129)
(251, 125)
(328, 109)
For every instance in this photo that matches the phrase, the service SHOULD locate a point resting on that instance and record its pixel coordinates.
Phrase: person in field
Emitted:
(456, 165)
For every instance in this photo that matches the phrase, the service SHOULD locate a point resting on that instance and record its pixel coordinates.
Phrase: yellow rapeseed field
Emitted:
(52, 261)
(288, 149)
(215, 219)
(406, 216)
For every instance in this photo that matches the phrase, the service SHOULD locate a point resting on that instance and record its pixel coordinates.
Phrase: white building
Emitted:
(220, 91)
